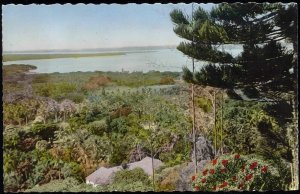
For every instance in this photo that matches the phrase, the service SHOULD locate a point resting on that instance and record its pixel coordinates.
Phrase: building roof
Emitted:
(103, 175)
(146, 164)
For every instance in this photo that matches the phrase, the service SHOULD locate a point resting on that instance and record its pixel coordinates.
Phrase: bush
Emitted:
(204, 103)
(97, 127)
(168, 179)
(73, 185)
(42, 145)
(131, 176)
(96, 82)
(131, 187)
(12, 182)
(45, 131)
(11, 138)
(72, 169)
(166, 80)
(236, 172)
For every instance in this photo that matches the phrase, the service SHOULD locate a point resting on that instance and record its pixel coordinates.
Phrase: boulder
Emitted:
(204, 149)
(186, 173)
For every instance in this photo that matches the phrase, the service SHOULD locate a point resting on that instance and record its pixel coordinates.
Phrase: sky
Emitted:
(52, 27)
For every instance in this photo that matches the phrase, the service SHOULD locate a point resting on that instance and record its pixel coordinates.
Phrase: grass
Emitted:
(18, 57)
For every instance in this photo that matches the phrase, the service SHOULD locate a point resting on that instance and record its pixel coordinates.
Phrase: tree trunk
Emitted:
(153, 182)
(222, 100)
(193, 106)
(215, 127)
(295, 104)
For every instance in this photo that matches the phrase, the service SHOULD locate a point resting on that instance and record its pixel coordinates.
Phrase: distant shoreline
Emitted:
(93, 50)
(20, 57)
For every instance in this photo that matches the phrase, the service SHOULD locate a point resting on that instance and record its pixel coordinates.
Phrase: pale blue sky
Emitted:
(40, 27)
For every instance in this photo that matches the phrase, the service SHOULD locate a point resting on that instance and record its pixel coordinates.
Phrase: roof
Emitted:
(146, 164)
(105, 175)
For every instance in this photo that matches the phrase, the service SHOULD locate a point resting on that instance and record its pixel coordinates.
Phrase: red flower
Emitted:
(223, 170)
(214, 162)
(224, 162)
(249, 176)
(205, 172)
(253, 165)
(203, 180)
(193, 178)
(264, 169)
(234, 178)
(224, 184)
(212, 171)
(243, 169)
(214, 188)
(241, 185)
(197, 188)
(237, 156)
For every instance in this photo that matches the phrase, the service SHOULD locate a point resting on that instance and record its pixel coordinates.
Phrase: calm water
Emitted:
(158, 60)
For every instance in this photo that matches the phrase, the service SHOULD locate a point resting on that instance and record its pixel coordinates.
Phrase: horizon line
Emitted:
(86, 49)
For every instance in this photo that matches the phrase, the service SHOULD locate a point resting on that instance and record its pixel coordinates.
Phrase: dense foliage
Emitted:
(48, 136)
(237, 172)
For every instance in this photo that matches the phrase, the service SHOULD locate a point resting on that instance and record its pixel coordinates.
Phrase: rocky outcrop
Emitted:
(186, 173)
(178, 178)
(204, 149)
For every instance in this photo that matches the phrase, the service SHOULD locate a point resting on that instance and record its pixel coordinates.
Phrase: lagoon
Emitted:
(157, 60)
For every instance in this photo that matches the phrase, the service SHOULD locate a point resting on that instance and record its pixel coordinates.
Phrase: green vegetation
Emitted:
(61, 127)
(263, 73)
(72, 185)
(59, 137)
(20, 57)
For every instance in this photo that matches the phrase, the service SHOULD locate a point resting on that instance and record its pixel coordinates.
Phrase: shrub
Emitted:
(11, 138)
(97, 127)
(41, 145)
(168, 179)
(204, 103)
(45, 131)
(96, 82)
(12, 182)
(131, 176)
(166, 80)
(236, 172)
(72, 169)
(75, 97)
(131, 187)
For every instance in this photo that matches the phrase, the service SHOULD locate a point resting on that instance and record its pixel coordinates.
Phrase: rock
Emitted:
(186, 173)
(178, 178)
(204, 150)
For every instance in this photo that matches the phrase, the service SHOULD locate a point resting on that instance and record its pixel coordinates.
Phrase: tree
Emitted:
(259, 27)
(67, 107)
(265, 66)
